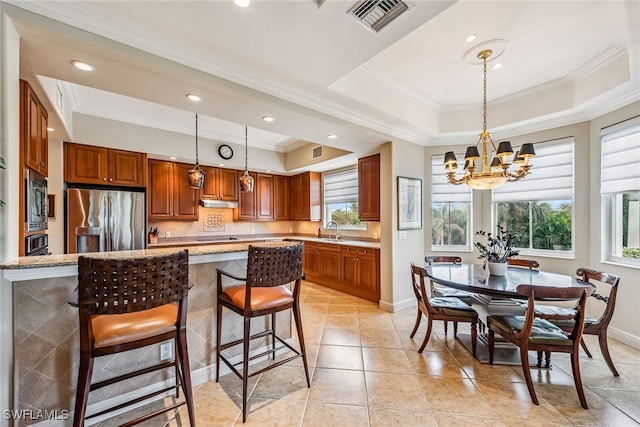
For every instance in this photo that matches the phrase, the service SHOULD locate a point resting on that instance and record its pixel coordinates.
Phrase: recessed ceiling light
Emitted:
(242, 3)
(82, 65)
(268, 118)
(172, 158)
(470, 38)
(50, 129)
(332, 136)
(497, 66)
(193, 97)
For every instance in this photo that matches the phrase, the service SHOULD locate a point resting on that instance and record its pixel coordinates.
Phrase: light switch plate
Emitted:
(402, 235)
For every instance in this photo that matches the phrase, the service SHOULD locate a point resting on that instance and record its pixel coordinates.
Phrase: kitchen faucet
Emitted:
(330, 223)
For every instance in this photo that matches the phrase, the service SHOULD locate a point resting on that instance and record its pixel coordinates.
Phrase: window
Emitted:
(450, 210)
(538, 210)
(341, 199)
(620, 190)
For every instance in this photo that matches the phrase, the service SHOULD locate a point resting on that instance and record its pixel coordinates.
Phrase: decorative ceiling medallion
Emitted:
(496, 46)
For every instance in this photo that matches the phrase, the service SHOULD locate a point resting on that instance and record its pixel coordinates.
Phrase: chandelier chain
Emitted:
(484, 95)
(197, 162)
(246, 151)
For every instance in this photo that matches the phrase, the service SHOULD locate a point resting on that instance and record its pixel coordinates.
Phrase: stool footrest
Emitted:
(134, 401)
(126, 376)
(153, 414)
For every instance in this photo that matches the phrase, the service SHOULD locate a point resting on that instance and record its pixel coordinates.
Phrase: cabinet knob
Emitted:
(104, 179)
(110, 179)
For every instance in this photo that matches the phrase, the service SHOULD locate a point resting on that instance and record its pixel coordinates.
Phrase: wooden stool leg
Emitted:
(176, 361)
(185, 369)
(245, 366)
(218, 338)
(84, 384)
(297, 318)
(273, 337)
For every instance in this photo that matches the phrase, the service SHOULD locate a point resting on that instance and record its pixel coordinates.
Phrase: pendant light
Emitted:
(196, 175)
(246, 180)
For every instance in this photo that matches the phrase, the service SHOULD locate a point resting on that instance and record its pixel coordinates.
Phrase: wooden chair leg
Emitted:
(474, 337)
(182, 355)
(417, 324)
(547, 359)
(575, 367)
(245, 366)
(84, 384)
(298, 319)
(604, 348)
(446, 327)
(455, 329)
(218, 338)
(427, 335)
(492, 343)
(524, 360)
(585, 348)
(539, 365)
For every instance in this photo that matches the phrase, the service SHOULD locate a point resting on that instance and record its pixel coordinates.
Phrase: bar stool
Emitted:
(125, 304)
(269, 270)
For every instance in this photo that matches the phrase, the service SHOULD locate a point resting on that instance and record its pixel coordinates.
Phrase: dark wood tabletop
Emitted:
(473, 278)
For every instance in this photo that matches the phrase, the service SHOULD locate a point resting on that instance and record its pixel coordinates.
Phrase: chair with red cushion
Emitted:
(264, 291)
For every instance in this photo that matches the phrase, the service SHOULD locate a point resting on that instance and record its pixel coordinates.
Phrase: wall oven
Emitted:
(37, 244)
(35, 201)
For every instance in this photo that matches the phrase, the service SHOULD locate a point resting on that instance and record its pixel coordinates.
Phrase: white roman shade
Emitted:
(341, 186)
(550, 178)
(441, 190)
(620, 168)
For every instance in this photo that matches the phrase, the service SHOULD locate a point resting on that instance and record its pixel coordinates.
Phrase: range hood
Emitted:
(213, 203)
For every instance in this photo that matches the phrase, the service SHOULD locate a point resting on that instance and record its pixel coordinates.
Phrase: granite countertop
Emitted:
(195, 248)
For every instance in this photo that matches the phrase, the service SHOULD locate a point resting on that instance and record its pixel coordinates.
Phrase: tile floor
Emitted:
(366, 371)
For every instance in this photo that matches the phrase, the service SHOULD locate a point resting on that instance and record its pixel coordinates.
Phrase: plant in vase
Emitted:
(496, 251)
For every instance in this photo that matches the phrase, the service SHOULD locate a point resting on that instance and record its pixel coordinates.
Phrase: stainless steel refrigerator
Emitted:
(105, 220)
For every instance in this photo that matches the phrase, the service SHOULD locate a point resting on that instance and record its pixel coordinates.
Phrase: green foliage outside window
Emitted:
(449, 223)
(345, 213)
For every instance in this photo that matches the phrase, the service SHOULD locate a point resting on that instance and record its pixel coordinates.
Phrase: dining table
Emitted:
(496, 295)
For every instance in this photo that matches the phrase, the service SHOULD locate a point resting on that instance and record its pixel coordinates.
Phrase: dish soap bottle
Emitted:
(319, 232)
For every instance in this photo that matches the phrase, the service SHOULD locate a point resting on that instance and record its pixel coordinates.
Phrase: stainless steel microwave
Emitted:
(35, 201)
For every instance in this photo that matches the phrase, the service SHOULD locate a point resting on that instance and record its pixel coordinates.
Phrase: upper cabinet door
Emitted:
(281, 197)
(127, 168)
(85, 164)
(264, 196)
(369, 188)
(228, 184)
(34, 134)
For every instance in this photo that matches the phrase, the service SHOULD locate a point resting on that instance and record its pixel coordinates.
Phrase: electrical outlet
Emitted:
(167, 234)
(253, 231)
(375, 235)
(166, 351)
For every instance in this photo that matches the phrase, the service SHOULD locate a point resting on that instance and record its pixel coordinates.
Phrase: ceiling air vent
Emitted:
(316, 153)
(377, 14)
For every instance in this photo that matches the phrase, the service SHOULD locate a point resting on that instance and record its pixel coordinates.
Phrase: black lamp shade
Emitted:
(504, 148)
(449, 158)
(518, 158)
(527, 150)
(472, 153)
(495, 162)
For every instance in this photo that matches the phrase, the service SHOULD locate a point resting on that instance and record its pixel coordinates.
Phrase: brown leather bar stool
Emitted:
(125, 304)
(265, 291)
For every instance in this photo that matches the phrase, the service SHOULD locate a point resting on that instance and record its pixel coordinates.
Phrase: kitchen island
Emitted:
(40, 370)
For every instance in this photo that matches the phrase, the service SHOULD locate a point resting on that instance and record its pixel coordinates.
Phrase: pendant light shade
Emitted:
(246, 180)
(196, 175)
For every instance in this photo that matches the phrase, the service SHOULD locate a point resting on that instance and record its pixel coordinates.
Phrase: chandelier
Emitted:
(196, 175)
(246, 180)
(497, 172)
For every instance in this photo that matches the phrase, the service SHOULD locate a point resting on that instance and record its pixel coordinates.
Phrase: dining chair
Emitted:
(126, 304)
(592, 325)
(531, 264)
(530, 332)
(439, 308)
(264, 291)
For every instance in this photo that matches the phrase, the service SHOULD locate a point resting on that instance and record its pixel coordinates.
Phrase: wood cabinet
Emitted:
(34, 135)
(306, 197)
(169, 196)
(369, 188)
(281, 198)
(247, 203)
(259, 204)
(351, 269)
(86, 164)
(220, 184)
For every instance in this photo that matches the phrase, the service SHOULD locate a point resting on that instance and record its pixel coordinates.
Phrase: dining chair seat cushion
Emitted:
(114, 329)
(542, 332)
(551, 310)
(262, 298)
(450, 292)
(452, 306)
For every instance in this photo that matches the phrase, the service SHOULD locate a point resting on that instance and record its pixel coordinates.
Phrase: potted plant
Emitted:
(496, 251)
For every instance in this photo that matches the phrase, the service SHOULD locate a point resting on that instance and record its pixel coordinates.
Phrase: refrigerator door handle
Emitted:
(109, 223)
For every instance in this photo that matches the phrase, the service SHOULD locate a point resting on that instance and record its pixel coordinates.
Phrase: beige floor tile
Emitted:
(317, 299)
(273, 413)
(380, 338)
(339, 357)
(344, 299)
(439, 364)
(381, 322)
(397, 391)
(453, 396)
(312, 334)
(282, 382)
(384, 417)
(626, 401)
(391, 360)
(329, 415)
(341, 336)
(342, 309)
(349, 321)
(338, 386)
(454, 420)
(214, 409)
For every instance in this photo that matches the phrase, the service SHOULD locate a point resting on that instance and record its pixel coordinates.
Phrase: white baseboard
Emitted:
(198, 376)
(397, 306)
(624, 337)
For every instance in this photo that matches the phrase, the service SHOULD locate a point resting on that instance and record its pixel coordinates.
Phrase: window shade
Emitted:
(550, 178)
(441, 190)
(341, 187)
(620, 168)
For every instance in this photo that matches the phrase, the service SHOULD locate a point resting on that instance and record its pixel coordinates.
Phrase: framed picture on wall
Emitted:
(409, 203)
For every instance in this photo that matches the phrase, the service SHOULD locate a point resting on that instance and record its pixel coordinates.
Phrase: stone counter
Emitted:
(45, 329)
